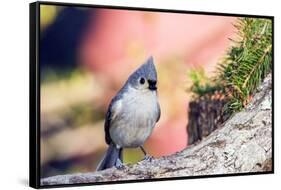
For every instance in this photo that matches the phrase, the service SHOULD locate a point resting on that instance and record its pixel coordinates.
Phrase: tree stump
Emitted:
(206, 114)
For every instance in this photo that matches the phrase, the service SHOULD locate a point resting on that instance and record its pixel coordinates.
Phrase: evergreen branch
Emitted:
(244, 66)
(257, 65)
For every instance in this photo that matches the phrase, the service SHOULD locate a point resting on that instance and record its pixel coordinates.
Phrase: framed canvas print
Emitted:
(121, 94)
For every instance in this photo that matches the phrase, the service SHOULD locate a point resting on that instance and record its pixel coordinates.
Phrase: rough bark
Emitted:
(242, 144)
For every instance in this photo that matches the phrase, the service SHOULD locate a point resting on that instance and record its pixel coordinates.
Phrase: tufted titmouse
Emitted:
(132, 115)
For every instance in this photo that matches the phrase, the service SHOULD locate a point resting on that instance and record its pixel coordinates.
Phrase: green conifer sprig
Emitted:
(245, 65)
(247, 62)
(202, 85)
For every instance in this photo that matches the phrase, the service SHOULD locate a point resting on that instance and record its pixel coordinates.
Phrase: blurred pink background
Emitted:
(121, 40)
(99, 49)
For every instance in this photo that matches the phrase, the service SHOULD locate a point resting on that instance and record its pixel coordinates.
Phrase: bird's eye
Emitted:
(142, 80)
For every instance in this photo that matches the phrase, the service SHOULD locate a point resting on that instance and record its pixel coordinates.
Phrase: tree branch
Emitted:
(243, 144)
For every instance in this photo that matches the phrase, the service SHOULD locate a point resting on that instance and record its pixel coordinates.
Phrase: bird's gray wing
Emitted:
(107, 126)
(111, 113)
(158, 112)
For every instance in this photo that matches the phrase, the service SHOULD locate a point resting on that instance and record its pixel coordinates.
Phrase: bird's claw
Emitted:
(148, 157)
(119, 164)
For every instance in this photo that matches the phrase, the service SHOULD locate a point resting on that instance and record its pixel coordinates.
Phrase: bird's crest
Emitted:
(146, 70)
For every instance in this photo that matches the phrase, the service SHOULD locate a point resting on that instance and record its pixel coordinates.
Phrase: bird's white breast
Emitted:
(144, 102)
(136, 118)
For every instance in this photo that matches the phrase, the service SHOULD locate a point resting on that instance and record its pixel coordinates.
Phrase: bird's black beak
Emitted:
(152, 84)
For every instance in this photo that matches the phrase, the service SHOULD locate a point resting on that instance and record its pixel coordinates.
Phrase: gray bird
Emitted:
(132, 115)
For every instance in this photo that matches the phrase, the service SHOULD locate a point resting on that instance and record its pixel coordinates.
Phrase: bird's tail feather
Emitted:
(110, 158)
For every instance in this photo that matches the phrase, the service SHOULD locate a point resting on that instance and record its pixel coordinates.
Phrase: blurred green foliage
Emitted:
(52, 75)
(201, 84)
(132, 155)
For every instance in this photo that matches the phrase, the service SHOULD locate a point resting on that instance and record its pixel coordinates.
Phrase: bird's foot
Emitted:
(119, 164)
(148, 157)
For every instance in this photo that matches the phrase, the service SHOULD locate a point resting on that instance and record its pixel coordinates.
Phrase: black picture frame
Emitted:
(34, 91)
